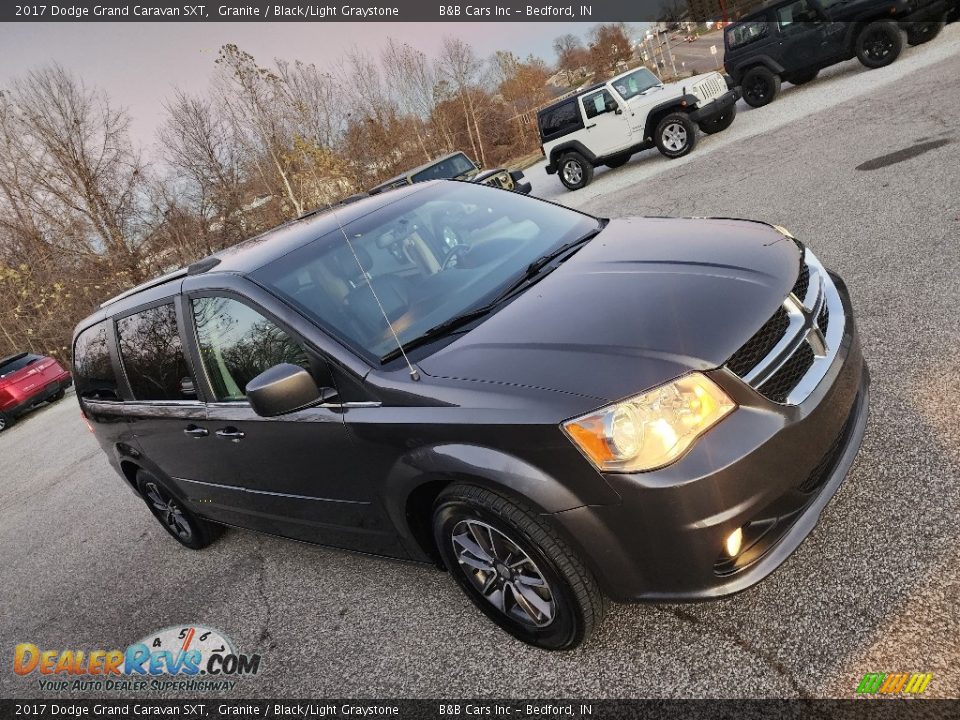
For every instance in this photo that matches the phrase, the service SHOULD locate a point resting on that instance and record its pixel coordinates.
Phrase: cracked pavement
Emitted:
(876, 586)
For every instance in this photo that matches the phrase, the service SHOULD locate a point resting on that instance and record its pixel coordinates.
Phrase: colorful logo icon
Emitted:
(894, 683)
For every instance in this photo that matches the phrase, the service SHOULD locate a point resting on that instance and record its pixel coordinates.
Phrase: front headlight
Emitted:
(653, 429)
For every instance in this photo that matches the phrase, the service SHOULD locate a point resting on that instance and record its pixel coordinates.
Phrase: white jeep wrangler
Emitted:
(607, 123)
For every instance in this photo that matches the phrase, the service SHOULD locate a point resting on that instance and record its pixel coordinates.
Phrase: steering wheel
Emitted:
(453, 257)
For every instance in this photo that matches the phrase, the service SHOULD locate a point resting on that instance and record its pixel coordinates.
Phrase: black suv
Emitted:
(793, 40)
(556, 408)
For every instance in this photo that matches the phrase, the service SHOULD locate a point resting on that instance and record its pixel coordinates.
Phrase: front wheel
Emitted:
(879, 44)
(760, 86)
(185, 527)
(676, 135)
(719, 123)
(5, 421)
(920, 32)
(575, 171)
(516, 569)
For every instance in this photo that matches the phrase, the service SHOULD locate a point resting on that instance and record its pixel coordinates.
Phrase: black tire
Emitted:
(58, 395)
(879, 44)
(6, 421)
(575, 171)
(920, 32)
(676, 135)
(802, 78)
(183, 526)
(565, 608)
(721, 123)
(760, 86)
(617, 160)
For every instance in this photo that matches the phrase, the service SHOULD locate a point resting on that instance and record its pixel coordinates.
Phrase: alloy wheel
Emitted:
(572, 172)
(675, 137)
(168, 511)
(503, 573)
(758, 90)
(3, 423)
(878, 45)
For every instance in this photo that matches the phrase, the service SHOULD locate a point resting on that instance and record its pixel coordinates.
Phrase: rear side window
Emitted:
(560, 120)
(92, 369)
(742, 34)
(797, 12)
(152, 355)
(237, 343)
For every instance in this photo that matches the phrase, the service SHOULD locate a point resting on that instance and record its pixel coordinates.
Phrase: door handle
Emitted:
(590, 126)
(231, 433)
(195, 431)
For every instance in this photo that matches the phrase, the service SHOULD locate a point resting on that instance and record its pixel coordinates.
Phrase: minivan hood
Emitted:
(646, 301)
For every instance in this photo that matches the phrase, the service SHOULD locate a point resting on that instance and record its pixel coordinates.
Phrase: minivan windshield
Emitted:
(635, 83)
(427, 258)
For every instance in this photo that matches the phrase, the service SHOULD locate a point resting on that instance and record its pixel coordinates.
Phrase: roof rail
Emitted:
(201, 266)
(182, 272)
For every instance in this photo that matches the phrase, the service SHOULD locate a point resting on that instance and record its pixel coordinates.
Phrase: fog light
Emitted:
(734, 541)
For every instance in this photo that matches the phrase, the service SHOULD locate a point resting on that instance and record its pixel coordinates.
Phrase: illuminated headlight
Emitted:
(653, 429)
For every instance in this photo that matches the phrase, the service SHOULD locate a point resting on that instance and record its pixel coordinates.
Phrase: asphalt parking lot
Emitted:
(862, 166)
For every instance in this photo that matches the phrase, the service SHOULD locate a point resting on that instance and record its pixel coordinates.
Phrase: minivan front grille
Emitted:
(786, 358)
(760, 345)
(778, 387)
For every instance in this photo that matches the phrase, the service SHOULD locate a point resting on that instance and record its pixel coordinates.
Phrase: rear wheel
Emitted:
(5, 421)
(920, 32)
(719, 123)
(760, 86)
(183, 526)
(575, 171)
(617, 160)
(515, 568)
(879, 44)
(676, 135)
(58, 395)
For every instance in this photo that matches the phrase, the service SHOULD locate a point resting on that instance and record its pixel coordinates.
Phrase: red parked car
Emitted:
(26, 380)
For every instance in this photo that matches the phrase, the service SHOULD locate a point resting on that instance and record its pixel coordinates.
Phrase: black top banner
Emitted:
(362, 11)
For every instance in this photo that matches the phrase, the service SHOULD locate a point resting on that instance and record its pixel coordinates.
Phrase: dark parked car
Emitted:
(457, 166)
(793, 40)
(26, 380)
(556, 408)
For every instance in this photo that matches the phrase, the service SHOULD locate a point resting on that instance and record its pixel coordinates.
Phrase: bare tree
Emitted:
(460, 65)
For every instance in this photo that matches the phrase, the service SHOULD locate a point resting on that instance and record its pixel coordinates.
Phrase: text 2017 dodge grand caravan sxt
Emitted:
(639, 409)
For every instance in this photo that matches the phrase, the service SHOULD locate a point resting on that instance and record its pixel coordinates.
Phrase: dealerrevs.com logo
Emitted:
(188, 658)
(894, 683)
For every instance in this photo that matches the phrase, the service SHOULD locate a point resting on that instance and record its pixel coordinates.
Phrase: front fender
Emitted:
(501, 472)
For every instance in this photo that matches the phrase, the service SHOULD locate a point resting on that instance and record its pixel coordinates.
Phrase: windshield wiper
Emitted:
(533, 272)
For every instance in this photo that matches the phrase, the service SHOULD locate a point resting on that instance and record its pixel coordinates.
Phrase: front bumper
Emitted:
(769, 467)
(716, 108)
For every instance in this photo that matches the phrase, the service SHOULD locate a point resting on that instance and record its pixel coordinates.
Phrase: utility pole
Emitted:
(670, 54)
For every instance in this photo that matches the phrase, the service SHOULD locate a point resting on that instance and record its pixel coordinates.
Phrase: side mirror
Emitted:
(187, 388)
(284, 388)
(479, 165)
(611, 106)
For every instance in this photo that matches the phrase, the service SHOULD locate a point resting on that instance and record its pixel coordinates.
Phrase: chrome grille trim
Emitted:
(804, 330)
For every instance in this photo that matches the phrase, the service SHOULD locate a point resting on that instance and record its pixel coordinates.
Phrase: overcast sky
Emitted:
(139, 63)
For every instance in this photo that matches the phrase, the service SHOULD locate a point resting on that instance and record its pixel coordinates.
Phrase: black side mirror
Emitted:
(284, 388)
(611, 105)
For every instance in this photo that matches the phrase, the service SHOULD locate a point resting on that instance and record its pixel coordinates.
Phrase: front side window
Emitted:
(420, 261)
(797, 12)
(92, 369)
(152, 355)
(635, 83)
(237, 343)
(596, 104)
